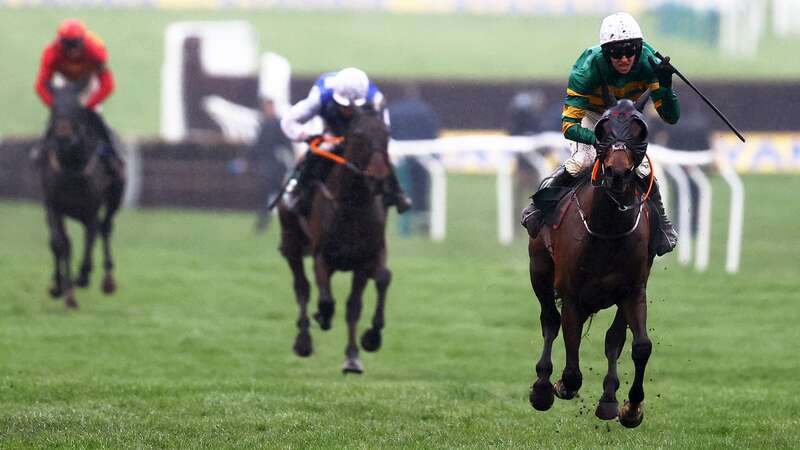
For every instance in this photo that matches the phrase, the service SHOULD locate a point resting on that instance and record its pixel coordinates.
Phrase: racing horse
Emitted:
(594, 254)
(344, 231)
(76, 185)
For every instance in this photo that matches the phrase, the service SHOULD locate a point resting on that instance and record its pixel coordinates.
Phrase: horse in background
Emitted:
(344, 231)
(595, 256)
(77, 185)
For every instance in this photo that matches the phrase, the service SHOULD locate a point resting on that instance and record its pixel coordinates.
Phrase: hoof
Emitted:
(607, 410)
(109, 285)
(371, 340)
(562, 392)
(55, 292)
(542, 397)
(352, 365)
(82, 281)
(324, 322)
(70, 302)
(631, 416)
(302, 345)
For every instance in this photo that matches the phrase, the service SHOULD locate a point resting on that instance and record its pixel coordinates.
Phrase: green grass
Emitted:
(195, 349)
(385, 45)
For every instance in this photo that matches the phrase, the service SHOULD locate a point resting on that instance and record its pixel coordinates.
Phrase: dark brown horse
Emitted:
(595, 255)
(77, 185)
(345, 231)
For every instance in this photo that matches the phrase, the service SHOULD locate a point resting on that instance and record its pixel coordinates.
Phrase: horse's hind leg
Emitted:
(90, 233)
(608, 407)
(541, 396)
(352, 364)
(371, 339)
(325, 304)
(571, 379)
(635, 312)
(106, 227)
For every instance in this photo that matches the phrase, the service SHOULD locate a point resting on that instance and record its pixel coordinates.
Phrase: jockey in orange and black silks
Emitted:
(79, 56)
(628, 66)
(334, 97)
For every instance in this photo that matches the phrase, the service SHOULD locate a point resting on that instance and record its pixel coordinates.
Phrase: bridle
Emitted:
(57, 145)
(315, 146)
(600, 183)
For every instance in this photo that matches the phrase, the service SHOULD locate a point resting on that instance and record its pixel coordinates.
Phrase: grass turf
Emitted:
(385, 45)
(195, 349)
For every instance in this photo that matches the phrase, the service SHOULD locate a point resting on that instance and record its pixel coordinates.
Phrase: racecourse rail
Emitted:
(500, 154)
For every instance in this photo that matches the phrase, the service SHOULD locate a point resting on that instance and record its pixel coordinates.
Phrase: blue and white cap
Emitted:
(350, 87)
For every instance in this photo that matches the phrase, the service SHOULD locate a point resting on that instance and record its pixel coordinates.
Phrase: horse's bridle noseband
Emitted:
(599, 168)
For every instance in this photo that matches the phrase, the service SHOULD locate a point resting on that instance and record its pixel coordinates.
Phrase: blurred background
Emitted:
(202, 327)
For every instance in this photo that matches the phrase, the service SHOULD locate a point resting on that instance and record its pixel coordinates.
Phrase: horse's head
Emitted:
(367, 144)
(69, 131)
(621, 135)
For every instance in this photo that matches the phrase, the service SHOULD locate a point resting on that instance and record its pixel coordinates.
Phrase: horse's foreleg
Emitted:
(608, 407)
(302, 344)
(325, 304)
(371, 339)
(635, 312)
(571, 379)
(60, 246)
(541, 396)
(90, 233)
(352, 363)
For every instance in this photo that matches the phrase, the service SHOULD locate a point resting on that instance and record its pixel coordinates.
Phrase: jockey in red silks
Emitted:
(79, 55)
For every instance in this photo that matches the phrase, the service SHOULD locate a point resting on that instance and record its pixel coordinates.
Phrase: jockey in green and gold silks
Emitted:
(628, 66)
(584, 91)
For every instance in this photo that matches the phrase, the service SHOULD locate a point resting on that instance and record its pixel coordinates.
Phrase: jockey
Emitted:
(333, 97)
(78, 55)
(628, 64)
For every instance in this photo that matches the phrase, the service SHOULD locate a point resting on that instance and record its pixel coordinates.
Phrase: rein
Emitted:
(315, 143)
(604, 235)
(620, 207)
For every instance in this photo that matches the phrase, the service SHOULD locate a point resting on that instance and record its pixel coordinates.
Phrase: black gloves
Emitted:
(664, 71)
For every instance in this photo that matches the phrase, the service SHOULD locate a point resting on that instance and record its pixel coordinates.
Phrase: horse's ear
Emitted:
(642, 100)
(608, 97)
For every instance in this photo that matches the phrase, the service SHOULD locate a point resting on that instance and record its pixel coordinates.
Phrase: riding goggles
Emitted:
(71, 43)
(626, 49)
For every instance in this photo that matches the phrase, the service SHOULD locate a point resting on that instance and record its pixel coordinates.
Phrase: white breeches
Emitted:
(583, 155)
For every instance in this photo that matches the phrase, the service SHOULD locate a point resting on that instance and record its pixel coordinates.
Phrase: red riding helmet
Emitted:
(71, 29)
(70, 34)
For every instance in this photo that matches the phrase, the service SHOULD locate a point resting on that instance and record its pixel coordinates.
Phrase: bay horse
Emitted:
(344, 231)
(77, 185)
(595, 255)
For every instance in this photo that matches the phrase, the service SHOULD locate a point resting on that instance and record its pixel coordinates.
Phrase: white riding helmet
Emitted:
(619, 26)
(350, 87)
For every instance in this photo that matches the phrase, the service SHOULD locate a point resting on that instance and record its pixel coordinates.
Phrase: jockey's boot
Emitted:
(394, 194)
(532, 216)
(666, 238)
(296, 188)
(111, 162)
